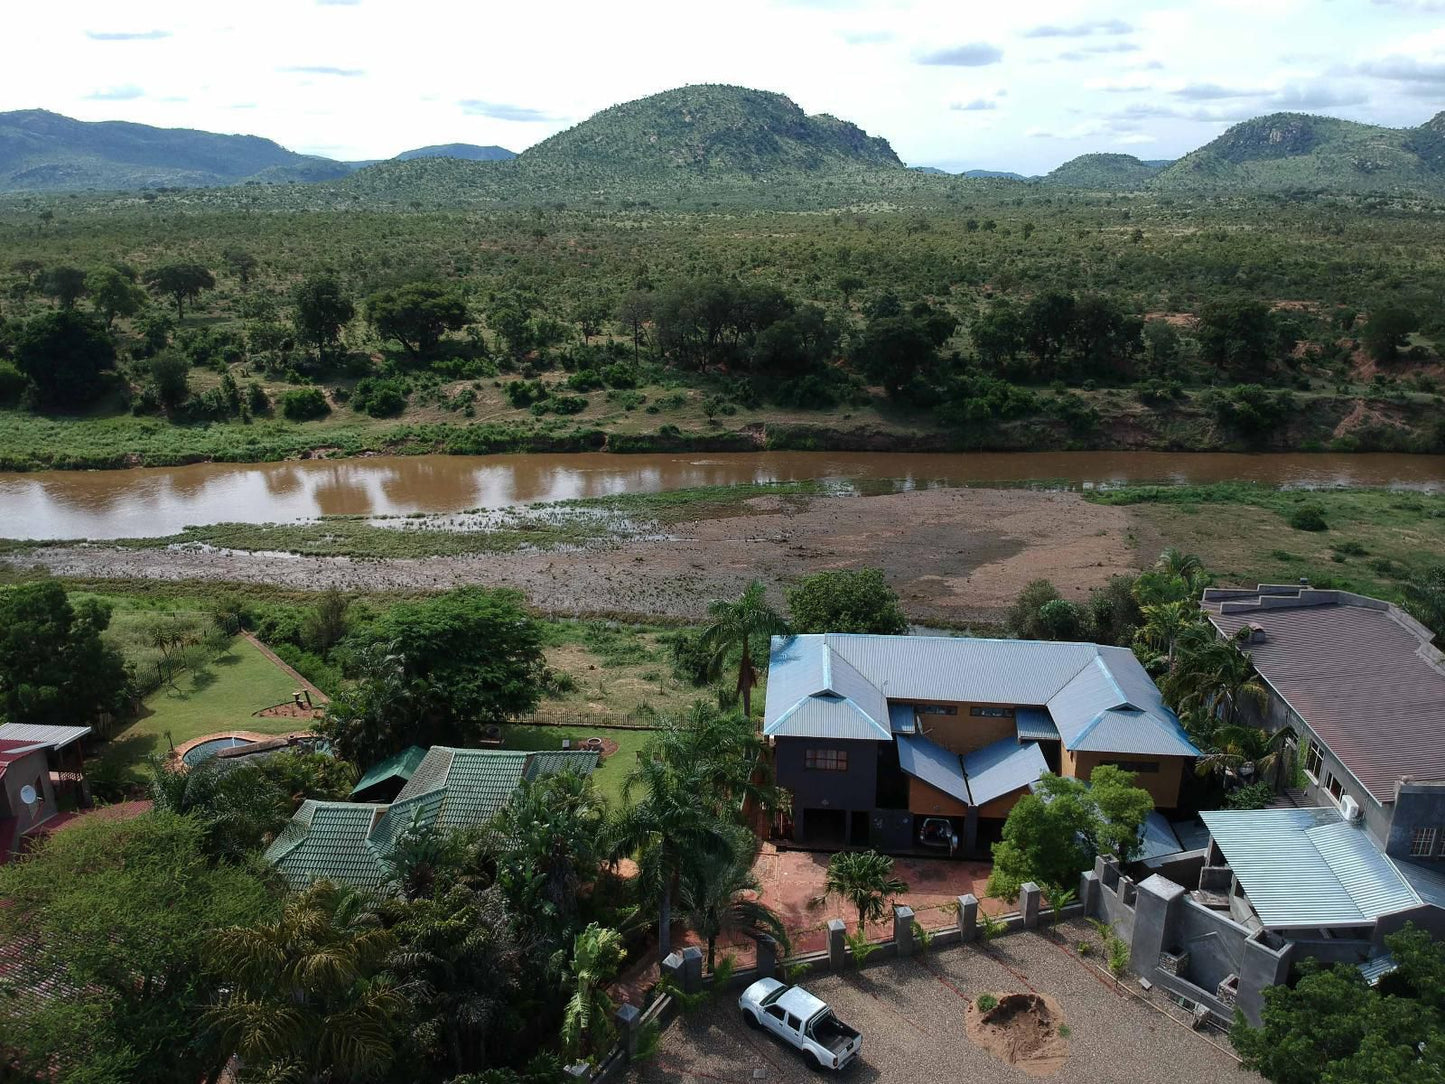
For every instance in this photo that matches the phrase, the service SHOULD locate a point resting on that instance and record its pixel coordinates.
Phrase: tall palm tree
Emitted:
(718, 894)
(1187, 566)
(1217, 677)
(1263, 754)
(733, 627)
(726, 751)
(1165, 623)
(674, 821)
(596, 955)
(865, 879)
(308, 998)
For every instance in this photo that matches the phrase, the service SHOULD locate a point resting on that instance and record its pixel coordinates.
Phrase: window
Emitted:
(826, 760)
(1337, 789)
(1422, 842)
(991, 713)
(776, 1013)
(1147, 766)
(1314, 760)
(937, 709)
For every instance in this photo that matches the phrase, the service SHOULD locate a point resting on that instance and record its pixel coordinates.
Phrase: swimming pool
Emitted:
(197, 753)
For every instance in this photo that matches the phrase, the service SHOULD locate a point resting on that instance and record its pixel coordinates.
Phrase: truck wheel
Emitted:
(816, 1064)
(750, 1020)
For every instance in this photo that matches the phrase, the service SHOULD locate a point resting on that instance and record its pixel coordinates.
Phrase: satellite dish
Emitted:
(27, 794)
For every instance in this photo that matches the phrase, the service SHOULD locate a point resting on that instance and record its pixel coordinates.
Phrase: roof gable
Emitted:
(1002, 768)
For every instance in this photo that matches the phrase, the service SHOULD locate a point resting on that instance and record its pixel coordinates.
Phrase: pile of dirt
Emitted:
(1022, 1030)
(290, 710)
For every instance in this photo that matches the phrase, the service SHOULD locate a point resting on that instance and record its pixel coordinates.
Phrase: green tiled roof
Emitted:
(346, 842)
(401, 766)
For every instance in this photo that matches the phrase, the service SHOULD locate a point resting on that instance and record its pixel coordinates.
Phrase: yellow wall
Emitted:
(1000, 807)
(932, 802)
(1163, 785)
(963, 733)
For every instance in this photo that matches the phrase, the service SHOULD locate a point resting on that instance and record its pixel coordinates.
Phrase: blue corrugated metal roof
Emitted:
(1157, 838)
(1035, 724)
(903, 718)
(1308, 867)
(933, 764)
(1376, 969)
(1002, 768)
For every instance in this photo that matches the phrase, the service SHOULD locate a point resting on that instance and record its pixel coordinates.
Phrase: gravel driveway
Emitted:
(911, 1014)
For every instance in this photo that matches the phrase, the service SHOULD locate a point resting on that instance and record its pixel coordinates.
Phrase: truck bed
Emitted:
(832, 1033)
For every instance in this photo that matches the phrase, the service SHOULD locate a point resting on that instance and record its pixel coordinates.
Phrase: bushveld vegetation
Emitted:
(983, 315)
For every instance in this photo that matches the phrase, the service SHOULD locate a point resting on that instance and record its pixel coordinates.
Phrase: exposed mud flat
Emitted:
(955, 556)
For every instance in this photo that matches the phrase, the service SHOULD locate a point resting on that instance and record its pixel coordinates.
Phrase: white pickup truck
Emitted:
(802, 1021)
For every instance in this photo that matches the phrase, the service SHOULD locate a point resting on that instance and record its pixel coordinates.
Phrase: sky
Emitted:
(1017, 86)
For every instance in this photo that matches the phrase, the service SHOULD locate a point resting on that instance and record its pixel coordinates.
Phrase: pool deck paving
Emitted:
(911, 1015)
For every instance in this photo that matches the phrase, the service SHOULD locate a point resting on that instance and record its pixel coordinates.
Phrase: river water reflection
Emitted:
(152, 501)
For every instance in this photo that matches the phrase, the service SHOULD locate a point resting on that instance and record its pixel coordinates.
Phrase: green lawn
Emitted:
(610, 773)
(218, 696)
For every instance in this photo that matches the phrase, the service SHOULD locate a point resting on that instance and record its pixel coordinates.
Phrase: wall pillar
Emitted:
(903, 929)
(672, 969)
(837, 947)
(967, 918)
(692, 969)
(767, 957)
(629, 1028)
(1029, 904)
(1259, 968)
(1089, 892)
(970, 831)
(1156, 917)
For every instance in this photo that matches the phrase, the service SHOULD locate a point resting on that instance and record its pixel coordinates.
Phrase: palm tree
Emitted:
(727, 752)
(241, 808)
(865, 879)
(673, 822)
(1217, 678)
(733, 627)
(1187, 566)
(718, 896)
(1249, 751)
(596, 954)
(308, 997)
(1165, 623)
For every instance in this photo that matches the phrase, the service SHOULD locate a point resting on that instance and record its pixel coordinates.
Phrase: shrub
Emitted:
(985, 1002)
(522, 393)
(619, 375)
(380, 397)
(566, 404)
(691, 659)
(1254, 796)
(1308, 517)
(305, 404)
(585, 380)
(12, 384)
(1118, 956)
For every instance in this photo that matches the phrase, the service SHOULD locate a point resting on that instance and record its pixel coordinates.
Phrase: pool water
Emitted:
(208, 749)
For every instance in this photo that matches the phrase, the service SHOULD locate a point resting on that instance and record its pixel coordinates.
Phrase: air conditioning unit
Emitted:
(1349, 808)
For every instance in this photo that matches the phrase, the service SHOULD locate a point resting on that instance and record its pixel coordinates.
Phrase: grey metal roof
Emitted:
(1157, 837)
(1304, 868)
(1363, 677)
(903, 718)
(1079, 683)
(1376, 968)
(57, 737)
(1002, 768)
(933, 764)
(1035, 724)
(1427, 879)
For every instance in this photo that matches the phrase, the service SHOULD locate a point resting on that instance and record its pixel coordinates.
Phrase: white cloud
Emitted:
(973, 55)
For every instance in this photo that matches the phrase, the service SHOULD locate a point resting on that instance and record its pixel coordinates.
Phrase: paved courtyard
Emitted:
(911, 1014)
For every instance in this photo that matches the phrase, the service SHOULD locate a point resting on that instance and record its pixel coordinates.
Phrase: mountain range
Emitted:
(700, 136)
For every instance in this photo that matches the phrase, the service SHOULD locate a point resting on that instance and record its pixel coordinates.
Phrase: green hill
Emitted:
(1298, 151)
(43, 151)
(710, 131)
(469, 152)
(1104, 171)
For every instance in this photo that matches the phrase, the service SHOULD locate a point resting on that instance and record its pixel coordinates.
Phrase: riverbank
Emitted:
(958, 557)
(1108, 419)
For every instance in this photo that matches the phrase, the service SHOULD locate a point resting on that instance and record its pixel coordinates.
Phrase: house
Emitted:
(877, 735)
(27, 798)
(384, 781)
(65, 755)
(348, 842)
(1349, 861)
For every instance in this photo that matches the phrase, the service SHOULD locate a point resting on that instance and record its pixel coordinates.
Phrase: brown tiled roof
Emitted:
(1362, 676)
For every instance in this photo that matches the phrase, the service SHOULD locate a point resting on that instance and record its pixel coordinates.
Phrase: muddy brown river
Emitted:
(155, 501)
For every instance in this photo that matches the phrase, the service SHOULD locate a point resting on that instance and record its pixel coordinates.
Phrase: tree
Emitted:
(1054, 834)
(1388, 332)
(1250, 752)
(1332, 1027)
(66, 284)
(54, 667)
(898, 350)
(240, 263)
(633, 312)
(1060, 619)
(171, 374)
(597, 953)
(674, 821)
(1216, 678)
(115, 918)
(438, 672)
(1165, 623)
(113, 293)
(322, 309)
(240, 808)
(181, 282)
(1425, 600)
(846, 600)
(1240, 336)
(64, 353)
(327, 624)
(733, 626)
(417, 315)
(865, 879)
(459, 963)
(308, 996)
(718, 895)
(1022, 619)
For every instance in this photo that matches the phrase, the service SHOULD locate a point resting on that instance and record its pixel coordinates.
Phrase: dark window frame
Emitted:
(991, 713)
(825, 760)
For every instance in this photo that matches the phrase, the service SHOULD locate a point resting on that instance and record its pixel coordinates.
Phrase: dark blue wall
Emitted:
(854, 789)
(1419, 805)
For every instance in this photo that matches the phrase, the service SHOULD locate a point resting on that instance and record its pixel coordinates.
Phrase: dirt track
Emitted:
(955, 556)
